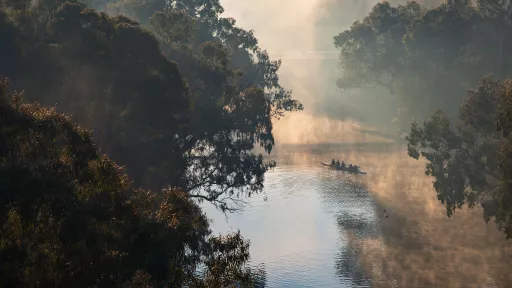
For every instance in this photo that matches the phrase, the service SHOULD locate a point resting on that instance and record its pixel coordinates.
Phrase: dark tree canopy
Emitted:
(230, 76)
(70, 217)
(181, 101)
(170, 91)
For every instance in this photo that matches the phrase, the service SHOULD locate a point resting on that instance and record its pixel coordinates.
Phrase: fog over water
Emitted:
(188, 125)
(314, 227)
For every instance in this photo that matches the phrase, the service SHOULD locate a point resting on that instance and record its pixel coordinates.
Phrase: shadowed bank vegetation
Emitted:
(189, 123)
(70, 215)
(180, 100)
(429, 58)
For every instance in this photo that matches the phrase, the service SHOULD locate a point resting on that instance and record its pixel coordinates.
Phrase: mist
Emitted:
(300, 33)
(418, 245)
(158, 141)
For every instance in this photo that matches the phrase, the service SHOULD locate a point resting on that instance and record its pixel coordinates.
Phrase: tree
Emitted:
(69, 216)
(427, 57)
(230, 73)
(190, 124)
(470, 163)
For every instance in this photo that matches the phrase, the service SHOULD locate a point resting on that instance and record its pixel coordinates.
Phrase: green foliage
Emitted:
(471, 164)
(69, 217)
(180, 101)
(427, 57)
(217, 59)
(192, 124)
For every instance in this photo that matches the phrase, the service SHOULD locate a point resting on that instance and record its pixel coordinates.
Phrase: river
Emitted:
(314, 227)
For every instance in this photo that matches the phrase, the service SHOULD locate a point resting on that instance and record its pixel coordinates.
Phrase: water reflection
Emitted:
(349, 268)
(322, 228)
(357, 220)
(259, 276)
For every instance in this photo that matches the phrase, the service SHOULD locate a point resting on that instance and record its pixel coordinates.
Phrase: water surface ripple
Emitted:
(303, 230)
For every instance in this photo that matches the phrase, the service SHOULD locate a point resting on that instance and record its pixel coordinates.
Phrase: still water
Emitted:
(298, 232)
(314, 227)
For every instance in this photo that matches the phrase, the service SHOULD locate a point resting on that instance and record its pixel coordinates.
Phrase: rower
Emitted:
(343, 165)
(332, 162)
(338, 164)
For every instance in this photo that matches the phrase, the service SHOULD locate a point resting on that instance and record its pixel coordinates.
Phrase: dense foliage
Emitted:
(471, 162)
(177, 95)
(69, 217)
(427, 57)
(192, 123)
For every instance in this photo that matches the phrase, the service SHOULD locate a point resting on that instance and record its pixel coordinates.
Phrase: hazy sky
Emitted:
(288, 29)
(300, 33)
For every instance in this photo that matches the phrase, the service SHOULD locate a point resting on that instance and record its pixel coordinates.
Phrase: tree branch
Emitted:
(485, 192)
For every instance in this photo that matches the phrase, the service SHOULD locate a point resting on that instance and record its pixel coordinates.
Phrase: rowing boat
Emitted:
(342, 169)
